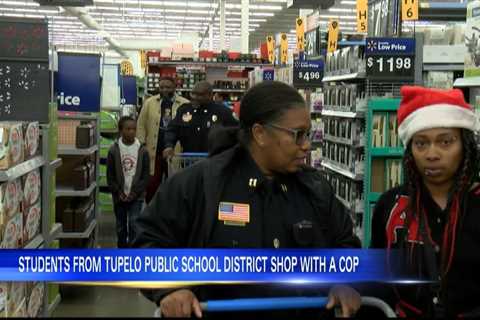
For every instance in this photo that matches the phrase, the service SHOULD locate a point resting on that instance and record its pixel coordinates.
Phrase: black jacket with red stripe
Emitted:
(459, 292)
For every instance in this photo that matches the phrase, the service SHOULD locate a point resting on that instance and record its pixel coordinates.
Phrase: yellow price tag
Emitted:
(409, 10)
(362, 22)
(283, 48)
(333, 31)
(271, 49)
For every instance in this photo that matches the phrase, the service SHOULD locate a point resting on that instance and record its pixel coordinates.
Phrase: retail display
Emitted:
(85, 136)
(31, 134)
(344, 130)
(31, 186)
(345, 61)
(11, 144)
(31, 222)
(345, 97)
(34, 298)
(346, 157)
(384, 18)
(439, 79)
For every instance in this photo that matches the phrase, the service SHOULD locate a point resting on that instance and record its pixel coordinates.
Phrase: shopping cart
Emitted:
(181, 161)
(284, 303)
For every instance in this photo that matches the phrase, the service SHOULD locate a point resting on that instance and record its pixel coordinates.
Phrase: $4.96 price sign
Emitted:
(307, 73)
(391, 59)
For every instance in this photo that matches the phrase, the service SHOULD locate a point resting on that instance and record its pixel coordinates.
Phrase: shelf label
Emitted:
(409, 10)
(307, 73)
(362, 21)
(333, 31)
(300, 28)
(390, 58)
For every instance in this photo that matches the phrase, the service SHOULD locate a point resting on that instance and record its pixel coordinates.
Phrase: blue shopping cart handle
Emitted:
(264, 304)
(192, 154)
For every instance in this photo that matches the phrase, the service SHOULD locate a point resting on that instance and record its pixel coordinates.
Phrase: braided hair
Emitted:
(466, 175)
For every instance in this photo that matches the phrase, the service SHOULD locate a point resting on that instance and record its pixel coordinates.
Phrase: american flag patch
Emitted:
(234, 212)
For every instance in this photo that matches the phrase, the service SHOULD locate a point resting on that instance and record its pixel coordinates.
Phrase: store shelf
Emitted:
(57, 228)
(352, 76)
(77, 116)
(386, 152)
(56, 163)
(66, 150)
(329, 165)
(79, 235)
(351, 43)
(443, 11)
(70, 192)
(343, 141)
(216, 90)
(209, 64)
(467, 82)
(443, 67)
(53, 306)
(113, 109)
(21, 169)
(343, 114)
(108, 130)
(35, 243)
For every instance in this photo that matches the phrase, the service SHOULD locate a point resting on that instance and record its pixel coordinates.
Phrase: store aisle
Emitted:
(104, 301)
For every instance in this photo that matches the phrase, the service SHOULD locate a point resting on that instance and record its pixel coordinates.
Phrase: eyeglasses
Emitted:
(300, 136)
(444, 142)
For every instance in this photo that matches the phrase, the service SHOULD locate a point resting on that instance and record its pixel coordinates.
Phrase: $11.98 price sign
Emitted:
(307, 73)
(390, 59)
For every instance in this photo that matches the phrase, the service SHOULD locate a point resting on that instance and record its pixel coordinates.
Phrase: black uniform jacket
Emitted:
(460, 292)
(191, 126)
(185, 214)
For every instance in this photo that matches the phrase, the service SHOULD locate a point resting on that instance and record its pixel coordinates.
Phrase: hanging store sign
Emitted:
(409, 10)
(129, 90)
(271, 49)
(300, 28)
(390, 59)
(333, 31)
(307, 73)
(362, 21)
(283, 48)
(78, 82)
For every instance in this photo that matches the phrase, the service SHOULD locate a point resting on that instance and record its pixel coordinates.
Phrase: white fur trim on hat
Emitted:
(437, 116)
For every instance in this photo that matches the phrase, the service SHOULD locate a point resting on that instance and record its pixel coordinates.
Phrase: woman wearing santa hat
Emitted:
(434, 217)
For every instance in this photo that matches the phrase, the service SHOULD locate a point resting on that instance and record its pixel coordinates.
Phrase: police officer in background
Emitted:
(193, 121)
(254, 191)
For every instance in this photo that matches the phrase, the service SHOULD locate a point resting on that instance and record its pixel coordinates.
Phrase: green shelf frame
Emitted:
(376, 105)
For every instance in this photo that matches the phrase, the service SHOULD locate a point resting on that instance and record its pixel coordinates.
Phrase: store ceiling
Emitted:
(170, 19)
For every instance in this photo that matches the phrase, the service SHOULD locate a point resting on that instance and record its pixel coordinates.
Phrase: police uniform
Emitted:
(461, 292)
(194, 209)
(191, 126)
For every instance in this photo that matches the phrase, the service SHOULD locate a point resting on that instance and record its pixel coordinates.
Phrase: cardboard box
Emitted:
(3, 299)
(32, 217)
(31, 134)
(11, 144)
(32, 186)
(13, 233)
(11, 195)
(67, 132)
(34, 301)
(16, 292)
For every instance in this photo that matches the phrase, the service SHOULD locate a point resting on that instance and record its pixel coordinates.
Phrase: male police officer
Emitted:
(193, 121)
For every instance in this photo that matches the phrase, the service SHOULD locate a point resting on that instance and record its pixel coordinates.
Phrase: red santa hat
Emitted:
(424, 108)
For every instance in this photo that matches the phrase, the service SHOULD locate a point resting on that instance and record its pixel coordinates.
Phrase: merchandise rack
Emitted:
(63, 191)
(376, 105)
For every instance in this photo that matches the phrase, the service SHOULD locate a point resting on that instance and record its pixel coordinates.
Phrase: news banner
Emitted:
(199, 265)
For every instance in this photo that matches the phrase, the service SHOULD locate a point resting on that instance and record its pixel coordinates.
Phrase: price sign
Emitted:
(391, 59)
(307, 73)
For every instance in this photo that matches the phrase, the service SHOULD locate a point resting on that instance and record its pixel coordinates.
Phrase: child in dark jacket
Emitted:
(127, 175)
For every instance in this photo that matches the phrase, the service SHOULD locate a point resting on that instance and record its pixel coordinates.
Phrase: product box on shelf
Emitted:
(31, 186)
(11, 195)
(11, 144)
(31, 222)
(16, 292)
(85, 136)
(67, 132)
(80, 178)
(21, 311)
(3, 299)
(31, 134)
(13, 232)
(34, 298)
(77, 217)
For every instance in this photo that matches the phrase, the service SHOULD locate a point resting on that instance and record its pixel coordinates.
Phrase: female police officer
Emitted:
(260, 167)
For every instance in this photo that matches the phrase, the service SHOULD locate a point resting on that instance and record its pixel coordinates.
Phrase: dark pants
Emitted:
(126, 214)
(161, 173)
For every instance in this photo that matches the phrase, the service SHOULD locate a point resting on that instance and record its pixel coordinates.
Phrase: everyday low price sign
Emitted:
(307, 73)
(390, 58)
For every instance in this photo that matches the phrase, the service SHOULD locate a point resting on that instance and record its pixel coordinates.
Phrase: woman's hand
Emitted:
(180, 303)
(345, 297)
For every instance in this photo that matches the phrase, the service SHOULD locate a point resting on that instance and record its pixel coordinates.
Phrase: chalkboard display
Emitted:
(23, 39)
(24, 91)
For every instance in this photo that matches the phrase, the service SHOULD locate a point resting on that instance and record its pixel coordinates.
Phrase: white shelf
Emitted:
(79, 235)
(342, 114)
(66, 150)
(56, 163)
(357, 75)
(208, 64)
(114, 109)
(21, 169)
(35, 243)
(467, 82)
(329, 165)
(70, 192)
(443, 67)
(56, 230)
